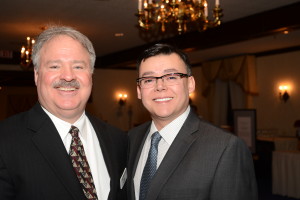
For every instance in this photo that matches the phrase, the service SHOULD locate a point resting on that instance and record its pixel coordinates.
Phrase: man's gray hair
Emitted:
(55, 31)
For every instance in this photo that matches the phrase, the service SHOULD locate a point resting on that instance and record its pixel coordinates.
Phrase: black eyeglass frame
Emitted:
(181, 75)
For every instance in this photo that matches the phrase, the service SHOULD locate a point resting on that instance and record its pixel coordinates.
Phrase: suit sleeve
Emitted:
(235, 177)
(6, 185)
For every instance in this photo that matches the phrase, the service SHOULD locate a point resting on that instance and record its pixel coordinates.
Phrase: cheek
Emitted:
(86, 80)
(146, 95)
(44, 80)
(182, 92)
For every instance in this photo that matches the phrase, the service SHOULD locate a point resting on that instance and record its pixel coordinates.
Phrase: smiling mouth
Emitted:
(66, 88)
(164, 99)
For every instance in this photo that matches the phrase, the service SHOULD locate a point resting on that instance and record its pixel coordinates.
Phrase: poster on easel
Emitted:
(245, 126)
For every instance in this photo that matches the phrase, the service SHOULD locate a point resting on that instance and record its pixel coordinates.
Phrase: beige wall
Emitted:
(273, 115)
(106, 87)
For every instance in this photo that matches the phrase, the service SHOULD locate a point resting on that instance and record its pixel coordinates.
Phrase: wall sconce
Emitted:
(191, 97)
(122, 99)
(283, 93)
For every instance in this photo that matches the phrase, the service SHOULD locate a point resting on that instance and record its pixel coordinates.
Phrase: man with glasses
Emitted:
(177, 155)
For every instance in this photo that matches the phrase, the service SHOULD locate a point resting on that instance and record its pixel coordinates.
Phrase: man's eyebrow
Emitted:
(53, 61)
(166, 71)
(147, 74)
(59, 61)
(170, 70)
(79, 61)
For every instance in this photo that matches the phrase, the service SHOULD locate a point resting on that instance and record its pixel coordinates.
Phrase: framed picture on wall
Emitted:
(245, 126)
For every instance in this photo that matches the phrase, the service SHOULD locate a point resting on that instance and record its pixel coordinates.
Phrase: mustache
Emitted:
(64, 83)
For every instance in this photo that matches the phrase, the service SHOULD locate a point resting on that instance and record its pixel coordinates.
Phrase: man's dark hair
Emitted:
(164, 49)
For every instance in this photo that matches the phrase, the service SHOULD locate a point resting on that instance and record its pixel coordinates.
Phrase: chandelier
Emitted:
(26, 52)
(184, 15)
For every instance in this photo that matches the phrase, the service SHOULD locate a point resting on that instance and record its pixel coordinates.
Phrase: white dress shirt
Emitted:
(168, 134)
(91, 147)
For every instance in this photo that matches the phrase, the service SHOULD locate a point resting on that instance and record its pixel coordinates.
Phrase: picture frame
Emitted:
(245, 126)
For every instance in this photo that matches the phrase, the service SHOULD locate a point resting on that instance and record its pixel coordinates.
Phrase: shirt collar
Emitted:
(170, 131)
(63, 127)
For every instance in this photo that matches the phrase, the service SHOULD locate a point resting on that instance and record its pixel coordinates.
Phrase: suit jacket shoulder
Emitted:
(34, 160)
(203, 162)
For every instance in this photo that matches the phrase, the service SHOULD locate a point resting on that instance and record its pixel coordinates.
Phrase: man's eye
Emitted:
(53, 67)
(147, 81)
(171, 77)
(78, 67)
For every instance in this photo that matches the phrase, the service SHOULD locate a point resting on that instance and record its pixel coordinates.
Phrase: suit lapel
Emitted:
(103, 142)
(49, 143)
(174, 156)
(137, 149)
(136, 146)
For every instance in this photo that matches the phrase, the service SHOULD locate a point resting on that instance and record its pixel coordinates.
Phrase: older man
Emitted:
(56, 150)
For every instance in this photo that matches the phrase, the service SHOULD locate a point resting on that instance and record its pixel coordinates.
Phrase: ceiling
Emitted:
(248, 27)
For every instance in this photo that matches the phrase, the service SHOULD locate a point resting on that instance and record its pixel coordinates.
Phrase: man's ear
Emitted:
(138, 89)
(36, 76)
(191, 84)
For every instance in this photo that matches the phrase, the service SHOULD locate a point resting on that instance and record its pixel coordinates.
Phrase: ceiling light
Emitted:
(119, 34)
(184, 15)
(285, 32)
(26, 51)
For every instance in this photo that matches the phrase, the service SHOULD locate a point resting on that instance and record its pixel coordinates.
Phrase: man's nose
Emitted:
(160, 84)
(67, 73)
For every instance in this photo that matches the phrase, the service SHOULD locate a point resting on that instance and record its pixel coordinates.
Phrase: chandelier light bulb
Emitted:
(185, 15)
(26, 51)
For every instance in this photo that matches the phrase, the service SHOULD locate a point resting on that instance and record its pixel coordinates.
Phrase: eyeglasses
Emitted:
(168, 79)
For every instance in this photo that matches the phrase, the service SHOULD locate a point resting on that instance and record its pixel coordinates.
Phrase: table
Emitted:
(286, 173)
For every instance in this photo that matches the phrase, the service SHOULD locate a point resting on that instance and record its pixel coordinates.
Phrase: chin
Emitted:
(68, 106)
(163, 114)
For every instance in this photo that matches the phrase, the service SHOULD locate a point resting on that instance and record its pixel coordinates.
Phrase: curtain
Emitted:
(228, 84)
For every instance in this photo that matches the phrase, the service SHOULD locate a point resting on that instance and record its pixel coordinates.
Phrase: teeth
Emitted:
(67, 89)
(164, 99)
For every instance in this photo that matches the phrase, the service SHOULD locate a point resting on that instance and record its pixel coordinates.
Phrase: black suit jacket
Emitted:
(35, 165)
(203, 163)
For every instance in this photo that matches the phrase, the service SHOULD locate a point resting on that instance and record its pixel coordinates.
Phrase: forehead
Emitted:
(162, 64)
(63, 46)
(62, 40)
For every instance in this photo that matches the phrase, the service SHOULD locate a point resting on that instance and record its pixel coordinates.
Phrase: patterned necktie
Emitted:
(81, 165)
(150, 166)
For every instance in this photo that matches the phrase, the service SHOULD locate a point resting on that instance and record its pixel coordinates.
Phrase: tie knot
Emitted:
(74, 131)
(155, 138)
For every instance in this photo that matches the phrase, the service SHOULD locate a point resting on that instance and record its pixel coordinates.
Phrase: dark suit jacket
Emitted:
(203, 163)
(35, 165)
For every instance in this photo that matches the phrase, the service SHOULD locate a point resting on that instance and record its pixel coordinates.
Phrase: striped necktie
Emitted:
(81, 165)
(150, 166)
